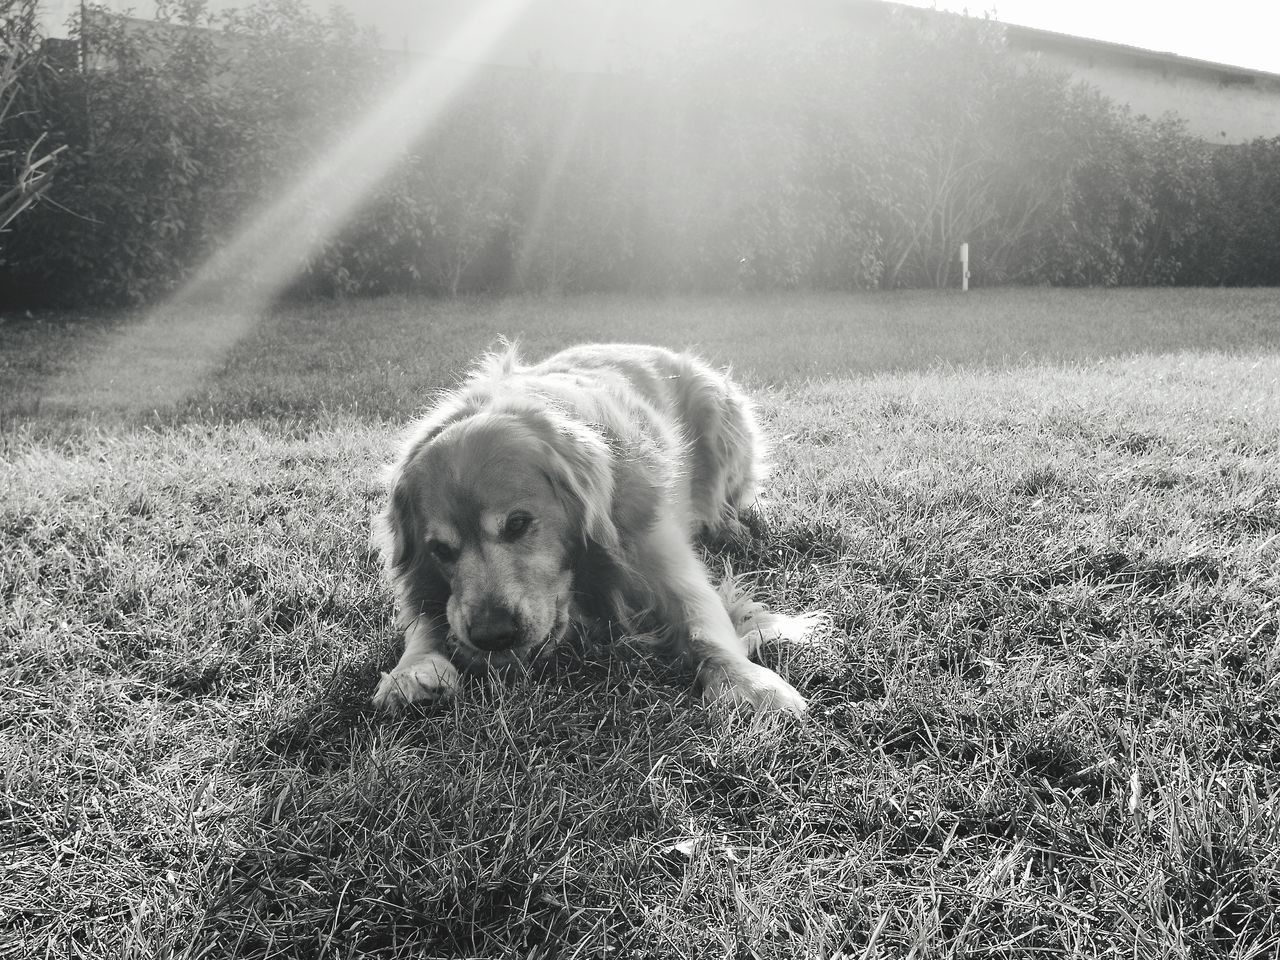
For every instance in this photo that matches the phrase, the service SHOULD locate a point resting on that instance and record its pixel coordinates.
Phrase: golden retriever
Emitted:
(567, 493)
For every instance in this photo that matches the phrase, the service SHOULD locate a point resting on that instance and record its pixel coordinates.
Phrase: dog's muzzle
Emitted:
(493, 629)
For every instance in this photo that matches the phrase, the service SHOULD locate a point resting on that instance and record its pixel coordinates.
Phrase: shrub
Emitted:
(138, 133)
(1239, 244)
(171, 137)
(738, 162)
(758, 179)
(1051, 182)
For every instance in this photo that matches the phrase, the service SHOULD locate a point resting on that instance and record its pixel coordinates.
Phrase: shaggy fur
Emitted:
(539, 498)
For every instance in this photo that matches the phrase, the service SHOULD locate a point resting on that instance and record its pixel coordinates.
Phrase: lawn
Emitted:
(1045, 720)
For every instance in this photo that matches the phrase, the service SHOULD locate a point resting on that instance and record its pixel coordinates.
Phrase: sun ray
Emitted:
(155, 363)
(565, 139)
(270, 249)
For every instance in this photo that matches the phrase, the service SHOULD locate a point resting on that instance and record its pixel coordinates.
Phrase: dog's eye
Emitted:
(517, 526)
(442, 551)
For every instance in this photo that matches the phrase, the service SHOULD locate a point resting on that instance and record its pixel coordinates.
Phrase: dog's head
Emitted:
(500, 506)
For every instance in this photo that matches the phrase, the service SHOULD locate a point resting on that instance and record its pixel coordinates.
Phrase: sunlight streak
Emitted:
(271, 249)
(536, 238)
(156, 363)
(151, 365)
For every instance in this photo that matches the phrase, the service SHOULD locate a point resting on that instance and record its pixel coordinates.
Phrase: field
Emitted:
(1045, 719)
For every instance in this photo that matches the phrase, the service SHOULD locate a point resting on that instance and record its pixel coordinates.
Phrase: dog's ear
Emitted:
(397, 535)
(396, 531)
(580, 466)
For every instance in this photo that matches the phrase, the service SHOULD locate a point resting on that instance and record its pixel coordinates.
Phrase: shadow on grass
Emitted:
(530, 813)
(475, 827)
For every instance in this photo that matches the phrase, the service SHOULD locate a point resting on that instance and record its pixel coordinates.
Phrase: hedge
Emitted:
(734, 162)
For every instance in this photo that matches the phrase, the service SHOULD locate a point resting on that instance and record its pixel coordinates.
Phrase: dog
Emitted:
(536, 499)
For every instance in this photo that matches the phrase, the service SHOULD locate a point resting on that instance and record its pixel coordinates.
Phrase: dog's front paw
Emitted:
(752, 685)
(433, 678)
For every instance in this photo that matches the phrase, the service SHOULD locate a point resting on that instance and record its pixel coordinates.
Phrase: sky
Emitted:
(1237, 32)
(1243, 33)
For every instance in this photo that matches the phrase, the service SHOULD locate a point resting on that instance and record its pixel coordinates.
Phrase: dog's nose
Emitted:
(493, 628)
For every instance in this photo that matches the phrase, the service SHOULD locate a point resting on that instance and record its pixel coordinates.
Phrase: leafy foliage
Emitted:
(1240, 241)
(172, 134)
(737, 162)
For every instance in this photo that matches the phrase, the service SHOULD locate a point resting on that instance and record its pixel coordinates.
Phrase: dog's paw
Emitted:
(751, 685)
(434, 678)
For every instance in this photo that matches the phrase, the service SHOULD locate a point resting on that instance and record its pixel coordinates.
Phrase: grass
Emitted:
(385, 358)
(1046, 721)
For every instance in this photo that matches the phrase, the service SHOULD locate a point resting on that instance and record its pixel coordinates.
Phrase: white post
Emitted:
(964, 267)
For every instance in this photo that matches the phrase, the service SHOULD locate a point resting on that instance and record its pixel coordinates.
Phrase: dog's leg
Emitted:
(703, 631)
(424, 671)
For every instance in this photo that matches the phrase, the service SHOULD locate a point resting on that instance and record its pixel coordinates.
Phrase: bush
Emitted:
(756, 179)
(1239, 243)
(736, 163)
(142, 136)
(172, 136)
(1049, 181)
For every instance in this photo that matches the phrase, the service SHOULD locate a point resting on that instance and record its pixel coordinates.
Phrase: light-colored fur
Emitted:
(568, 493)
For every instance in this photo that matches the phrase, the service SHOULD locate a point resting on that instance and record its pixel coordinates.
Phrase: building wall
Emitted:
(1227, 109)
(1222, 104)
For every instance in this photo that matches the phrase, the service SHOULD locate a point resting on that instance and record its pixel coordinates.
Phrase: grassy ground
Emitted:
(1046, 722)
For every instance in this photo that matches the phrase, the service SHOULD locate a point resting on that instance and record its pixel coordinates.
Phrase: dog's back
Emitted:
(721, 451)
